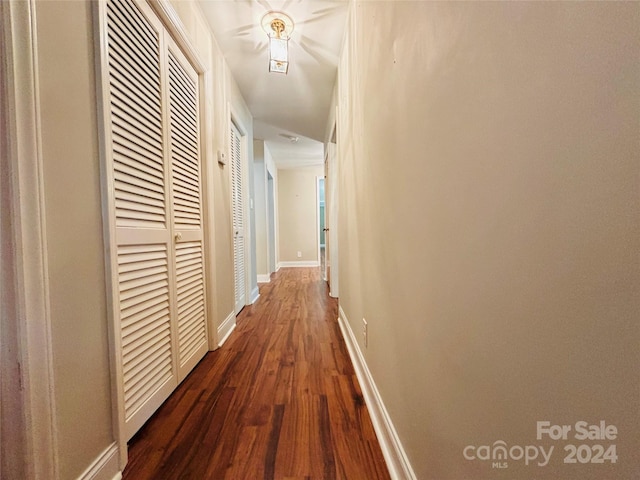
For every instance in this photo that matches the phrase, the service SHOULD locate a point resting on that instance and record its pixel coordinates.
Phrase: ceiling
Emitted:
(296, 104)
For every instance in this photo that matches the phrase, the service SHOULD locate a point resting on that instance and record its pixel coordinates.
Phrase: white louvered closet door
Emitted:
(142, 216)
(153, 178)
(187, 211)
(238, 218)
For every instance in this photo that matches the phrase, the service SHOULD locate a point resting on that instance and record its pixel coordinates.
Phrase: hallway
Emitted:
(278, 400)
(482, 199)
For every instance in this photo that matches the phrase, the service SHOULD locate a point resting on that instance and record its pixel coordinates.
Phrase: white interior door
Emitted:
(238, 219)
(154, 197)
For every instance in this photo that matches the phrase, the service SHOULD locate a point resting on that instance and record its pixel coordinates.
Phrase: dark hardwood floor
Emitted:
(280, 400)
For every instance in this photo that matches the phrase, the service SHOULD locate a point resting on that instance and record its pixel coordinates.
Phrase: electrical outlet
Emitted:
(299, 254)
(365, 332)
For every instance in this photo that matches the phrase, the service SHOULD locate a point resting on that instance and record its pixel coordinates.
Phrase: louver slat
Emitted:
(145, 321)
(136, 116)
(185, 159)
(190, 299)
(126, 14)
(136, 164)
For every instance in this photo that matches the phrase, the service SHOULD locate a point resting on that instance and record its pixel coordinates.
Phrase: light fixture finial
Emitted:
(277, 26)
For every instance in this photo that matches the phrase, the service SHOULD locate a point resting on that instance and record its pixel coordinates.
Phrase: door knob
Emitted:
(178, 236)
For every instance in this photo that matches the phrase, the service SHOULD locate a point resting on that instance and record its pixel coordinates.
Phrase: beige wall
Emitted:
(489, 206)
(297, 214)
(74, 233)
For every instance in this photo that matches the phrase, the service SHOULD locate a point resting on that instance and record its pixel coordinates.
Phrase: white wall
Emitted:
(489, 204)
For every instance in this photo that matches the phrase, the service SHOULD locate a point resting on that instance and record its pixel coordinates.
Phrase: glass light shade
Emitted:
(278, 55)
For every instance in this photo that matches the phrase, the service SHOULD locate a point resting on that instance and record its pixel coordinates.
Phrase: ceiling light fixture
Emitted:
(278, 27)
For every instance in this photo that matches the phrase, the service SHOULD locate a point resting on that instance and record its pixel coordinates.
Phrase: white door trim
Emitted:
(28, 249)
(271, 223)
(331, 200)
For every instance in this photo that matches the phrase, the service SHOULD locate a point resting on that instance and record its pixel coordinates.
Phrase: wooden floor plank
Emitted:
(279, 400)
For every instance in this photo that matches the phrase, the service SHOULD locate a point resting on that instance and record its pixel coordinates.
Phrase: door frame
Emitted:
(26, 370)
(272, 259)
(331, 204)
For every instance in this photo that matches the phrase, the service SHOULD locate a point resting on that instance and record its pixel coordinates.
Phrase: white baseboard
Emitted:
(312, 263)
(104, 467)
(278, 266)
(225, 329)
(394, 454)
(264, 278)
(255, 294)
